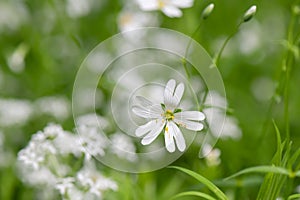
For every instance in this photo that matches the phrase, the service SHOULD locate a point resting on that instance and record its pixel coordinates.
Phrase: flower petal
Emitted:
(191, 125)
(150, 137)
(139, 100)
(183, 3)
(148, 5)
(180, 142)
(169, 140)
(169, 90)
(172, 11)
(178, 94)
(190, 115)
(146, 128)
(154, 111)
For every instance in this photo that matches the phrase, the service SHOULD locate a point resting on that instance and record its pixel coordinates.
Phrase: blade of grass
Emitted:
(260, 169)
(203, 180)
(294, 196)
(194, 193)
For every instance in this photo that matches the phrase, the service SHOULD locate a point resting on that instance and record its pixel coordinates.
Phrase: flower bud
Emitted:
(296, 10)
(249, 13)
(207, 11)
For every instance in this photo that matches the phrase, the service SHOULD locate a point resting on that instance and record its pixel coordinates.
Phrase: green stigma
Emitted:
(169, 115)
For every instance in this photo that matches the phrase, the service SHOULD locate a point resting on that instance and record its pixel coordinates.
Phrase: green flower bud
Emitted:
(249, 13)
(207, 11)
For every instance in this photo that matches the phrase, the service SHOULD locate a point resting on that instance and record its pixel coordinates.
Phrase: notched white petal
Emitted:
(172, 11)
(139, 100)
(150, 137)
(191, 125)
(178, 94)
(183, 3)
(180, 141)
(144, 129)
(168, 93)
(169, 140)
(190, 115)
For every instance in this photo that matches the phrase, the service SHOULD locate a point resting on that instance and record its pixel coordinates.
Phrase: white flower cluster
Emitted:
(18, 112)
(46, 162)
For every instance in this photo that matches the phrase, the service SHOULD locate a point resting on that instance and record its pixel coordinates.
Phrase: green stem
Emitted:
(218, 55)
(287, 69)
(185, 62)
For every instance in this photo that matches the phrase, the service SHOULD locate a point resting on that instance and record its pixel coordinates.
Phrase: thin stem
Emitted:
(287, 68)
(218, 55)
(184, 61)
(283, 81)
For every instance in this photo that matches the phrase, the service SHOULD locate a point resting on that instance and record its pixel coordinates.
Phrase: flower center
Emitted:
(161, 4)
(169, 115)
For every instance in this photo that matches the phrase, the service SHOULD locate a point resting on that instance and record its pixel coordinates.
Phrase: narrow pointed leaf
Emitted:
(204, 181)
(194, 193)
(261, 169)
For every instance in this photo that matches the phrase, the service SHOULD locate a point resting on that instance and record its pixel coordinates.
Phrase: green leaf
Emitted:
(261, 169)
(163, 106)
(203, 180)
(294, 196)
(194, 193)
(177, 110)
(297, 174)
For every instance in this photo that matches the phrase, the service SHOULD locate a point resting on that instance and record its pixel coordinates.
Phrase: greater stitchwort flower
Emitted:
(168, 7)
(167, 117)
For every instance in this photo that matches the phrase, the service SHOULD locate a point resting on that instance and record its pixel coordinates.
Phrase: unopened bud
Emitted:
(296, 10)
(207, 11)
(249, 13)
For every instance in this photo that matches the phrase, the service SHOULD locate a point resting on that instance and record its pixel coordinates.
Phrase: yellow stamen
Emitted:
(161, 4)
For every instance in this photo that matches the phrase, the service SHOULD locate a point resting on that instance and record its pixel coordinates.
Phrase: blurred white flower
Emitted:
(52, 140)
(167, 117)
(92, 141)
(123, 146)
(31, 156)
(212, 155)
(58, 107)
(78, 8)
(37, 177)
(220, 124)
(129, 20)
(12, 15)
(92, 120)
(16, 60)
(95, 182)
(168, 7)
(263, 88)
(14, 112)
(63, 185)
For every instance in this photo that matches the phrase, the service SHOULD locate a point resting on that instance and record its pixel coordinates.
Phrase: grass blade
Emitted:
(194, 193)
(204, 181)
(294, 196)
(261, 169)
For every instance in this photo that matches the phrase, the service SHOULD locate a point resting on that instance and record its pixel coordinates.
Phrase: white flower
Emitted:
(58, 107)
(65, 184)
(14, 112)
(30, 156)
(123, 146)
(92, 141)
(212, 156)
(129, 20)
(78, 8)
(95, 182)
(168, 7)
(167, 117)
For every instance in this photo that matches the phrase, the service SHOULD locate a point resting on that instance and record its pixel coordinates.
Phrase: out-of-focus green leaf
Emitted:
(203, 180)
